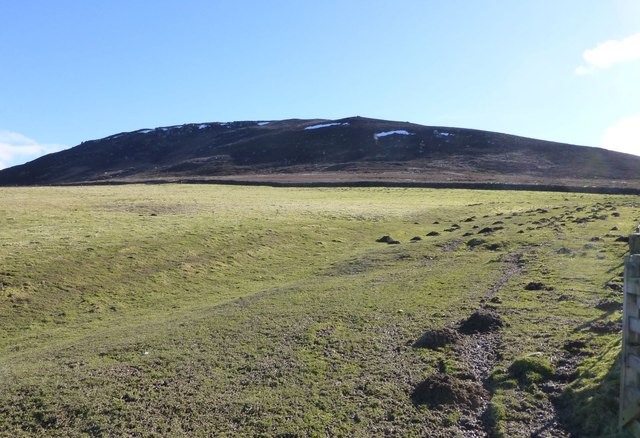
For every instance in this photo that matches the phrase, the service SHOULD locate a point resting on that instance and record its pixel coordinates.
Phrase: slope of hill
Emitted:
(345, 150)
(184, 309)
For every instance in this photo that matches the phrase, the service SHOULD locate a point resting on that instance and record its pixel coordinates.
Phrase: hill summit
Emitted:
(350, 150)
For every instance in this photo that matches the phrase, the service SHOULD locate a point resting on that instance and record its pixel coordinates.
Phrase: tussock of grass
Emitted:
(531, 368)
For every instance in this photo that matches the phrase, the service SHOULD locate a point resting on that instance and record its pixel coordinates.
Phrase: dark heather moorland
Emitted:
(351, 151)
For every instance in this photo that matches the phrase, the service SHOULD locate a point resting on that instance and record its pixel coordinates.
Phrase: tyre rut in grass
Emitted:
(477, 345)
(476, 342)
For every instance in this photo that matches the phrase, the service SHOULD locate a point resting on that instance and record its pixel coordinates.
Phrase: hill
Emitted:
(348, 150)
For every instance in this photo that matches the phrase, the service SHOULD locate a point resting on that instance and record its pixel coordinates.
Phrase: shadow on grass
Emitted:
(617, 267)
(601, 324)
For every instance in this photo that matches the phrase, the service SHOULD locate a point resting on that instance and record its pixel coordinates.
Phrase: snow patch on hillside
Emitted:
(326, 125)
(377, 135)
(443, 133)
(263, 123)
(170, 128)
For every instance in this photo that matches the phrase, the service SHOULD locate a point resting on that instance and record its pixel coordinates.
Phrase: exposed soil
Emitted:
(537, 285)
(605, 326)
(388, 239)
(608, 305)
(479, 352)
(514, 267)
(481, 321)
(451, 245)
(437, 338)
(440, 390)
(615, 286)
(475, 242)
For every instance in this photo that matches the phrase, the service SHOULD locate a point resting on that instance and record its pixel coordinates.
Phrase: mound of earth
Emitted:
(472, 243)
(615, 286)
(605, 327)
(387, 239)
(437, 338)
(537, 285)
(440, 390)
(481, 321)
(608, 305)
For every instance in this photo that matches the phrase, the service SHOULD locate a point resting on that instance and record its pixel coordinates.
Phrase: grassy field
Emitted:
(232, 311)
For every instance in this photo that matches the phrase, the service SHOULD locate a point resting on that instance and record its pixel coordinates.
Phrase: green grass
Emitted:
(530, 369)
(182, 310)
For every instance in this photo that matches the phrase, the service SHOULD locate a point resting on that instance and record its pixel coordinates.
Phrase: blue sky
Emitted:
(563, 70)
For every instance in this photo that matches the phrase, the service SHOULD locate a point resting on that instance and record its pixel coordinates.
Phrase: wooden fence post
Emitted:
(630, 373)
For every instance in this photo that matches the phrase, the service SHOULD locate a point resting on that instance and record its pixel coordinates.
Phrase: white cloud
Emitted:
(16, 148)
(609, 53)
(623, 136)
